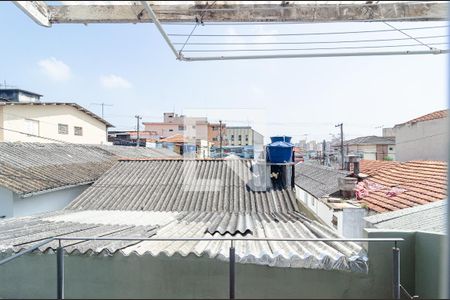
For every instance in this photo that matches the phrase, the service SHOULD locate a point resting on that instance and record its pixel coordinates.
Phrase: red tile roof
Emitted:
(414, 183)
(428, 117)
(176, 138)
(370, 167)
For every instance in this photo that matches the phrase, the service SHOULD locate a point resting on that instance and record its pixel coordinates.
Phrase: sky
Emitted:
(130, 67)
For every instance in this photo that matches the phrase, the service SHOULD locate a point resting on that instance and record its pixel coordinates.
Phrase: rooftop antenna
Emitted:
(103, 107)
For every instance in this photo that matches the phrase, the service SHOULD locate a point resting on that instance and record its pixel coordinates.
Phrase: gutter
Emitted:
(28, 195)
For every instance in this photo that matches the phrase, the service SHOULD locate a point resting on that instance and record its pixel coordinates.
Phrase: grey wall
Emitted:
(422, 140)
(118, 276)
(46, 202)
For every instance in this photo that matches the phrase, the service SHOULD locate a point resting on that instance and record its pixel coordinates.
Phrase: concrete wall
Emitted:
(117, 276)
(46, 202)
(6, 203)
(429, 249)
(422, 255)
(49, 116)
(350, 221)
(426, 140)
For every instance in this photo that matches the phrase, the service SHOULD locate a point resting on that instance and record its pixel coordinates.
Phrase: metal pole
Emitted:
(396, 272)
(232, 270)
(342, 144)
(220, 137)
(60, 271)
(155, 20)
(137, 129)
(380, 53)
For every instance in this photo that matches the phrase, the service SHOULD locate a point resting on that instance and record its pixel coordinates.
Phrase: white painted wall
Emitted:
(46, 202)
(6, 203)
(350, 221)
(49, 116)
(426, 140)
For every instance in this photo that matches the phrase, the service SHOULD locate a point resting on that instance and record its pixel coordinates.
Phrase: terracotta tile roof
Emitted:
(428, 117)
(410, 183)
(177, 138)
(370, 167)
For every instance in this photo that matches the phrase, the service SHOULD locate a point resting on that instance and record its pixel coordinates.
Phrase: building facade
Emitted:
(46, 122)
(370, 147)
(243, 136)
(423, 138)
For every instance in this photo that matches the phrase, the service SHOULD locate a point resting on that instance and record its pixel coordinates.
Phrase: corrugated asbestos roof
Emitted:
(171, 185)
(318, 180)
(403, 185)
(27, 168)
(371, 140)
(430, 217)
(20, 233)
(149, 198)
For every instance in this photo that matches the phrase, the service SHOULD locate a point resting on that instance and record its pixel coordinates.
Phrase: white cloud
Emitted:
(112, 81)
(55, 69)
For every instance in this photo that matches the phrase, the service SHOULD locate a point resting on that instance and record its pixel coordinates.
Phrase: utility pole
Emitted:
(220, 137)
(138, 118)
(342, 144)
(103, 107)
(324, 147)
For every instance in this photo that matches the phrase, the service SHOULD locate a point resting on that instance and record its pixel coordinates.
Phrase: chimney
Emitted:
(346, 186)
(353, 160)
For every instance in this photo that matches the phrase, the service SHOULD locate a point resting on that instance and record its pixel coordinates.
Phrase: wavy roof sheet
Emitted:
(150, 198)
(27, 168)
(20, 233)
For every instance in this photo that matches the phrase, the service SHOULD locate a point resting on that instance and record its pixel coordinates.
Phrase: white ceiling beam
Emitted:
(37, 10)
(250, 11)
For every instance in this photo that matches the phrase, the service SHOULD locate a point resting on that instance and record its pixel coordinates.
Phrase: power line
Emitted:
(102, 105)
(308, 33)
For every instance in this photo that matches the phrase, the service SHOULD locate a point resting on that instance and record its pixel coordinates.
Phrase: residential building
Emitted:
(394, 186)
(217, 203)
(243, 136)
(317, 188)
(50, 122)
(43, 177)
(161, 207)
(371, 147)
(129, 138)
(431, 217)
(214, 132)
(182, 145)
(179, 124)
(18, 95)
(423, 138)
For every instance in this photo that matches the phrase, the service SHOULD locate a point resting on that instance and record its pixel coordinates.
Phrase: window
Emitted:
(32, 126)
(232, 137)
(181, 127)
(239, 138)
(63, 129)
(246, 138)
(214, 139)
(391, 148)
(170, 130)
(214, 128)
(78, 130)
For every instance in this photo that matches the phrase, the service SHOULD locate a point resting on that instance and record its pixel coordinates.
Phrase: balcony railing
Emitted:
(396, 286)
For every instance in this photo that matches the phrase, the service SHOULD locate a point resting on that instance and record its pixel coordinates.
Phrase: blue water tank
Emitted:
(279, 152)
(281, 138)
